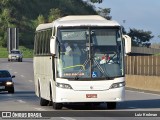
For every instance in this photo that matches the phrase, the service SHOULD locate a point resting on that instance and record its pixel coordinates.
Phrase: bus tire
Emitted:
(57, 105)
(111, 105)
(43, 102)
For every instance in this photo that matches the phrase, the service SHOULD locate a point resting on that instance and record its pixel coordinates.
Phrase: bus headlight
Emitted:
(64, 86)
(117, 85)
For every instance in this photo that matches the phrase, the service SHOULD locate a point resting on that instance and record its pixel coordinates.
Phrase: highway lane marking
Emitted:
(22, 76)
(21, 101)
(67, 118)
(143, 92)
(30, 80)
(40, 109)
(15, 72)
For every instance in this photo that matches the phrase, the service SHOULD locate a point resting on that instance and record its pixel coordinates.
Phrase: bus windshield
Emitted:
(93, 53)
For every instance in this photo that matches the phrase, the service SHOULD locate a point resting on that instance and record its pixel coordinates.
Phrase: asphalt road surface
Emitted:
(137, 104)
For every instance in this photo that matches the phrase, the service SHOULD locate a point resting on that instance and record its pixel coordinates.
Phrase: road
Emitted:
(25, 99)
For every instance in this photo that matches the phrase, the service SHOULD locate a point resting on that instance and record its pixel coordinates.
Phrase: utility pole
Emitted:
(12, 39)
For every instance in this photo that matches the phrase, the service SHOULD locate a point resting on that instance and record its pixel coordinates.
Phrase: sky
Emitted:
(138, 14)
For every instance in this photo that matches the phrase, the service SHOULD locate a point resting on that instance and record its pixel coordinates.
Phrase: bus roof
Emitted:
(79, 20)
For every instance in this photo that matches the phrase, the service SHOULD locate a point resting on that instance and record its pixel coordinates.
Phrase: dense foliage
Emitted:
(140, 37)
(27, 14)
(96, 1)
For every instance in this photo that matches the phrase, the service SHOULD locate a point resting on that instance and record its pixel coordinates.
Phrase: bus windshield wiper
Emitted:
(98, 66)
(84, 65)
(102, 70)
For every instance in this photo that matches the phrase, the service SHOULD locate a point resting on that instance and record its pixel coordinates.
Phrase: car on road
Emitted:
(15, 55)
(6, 82)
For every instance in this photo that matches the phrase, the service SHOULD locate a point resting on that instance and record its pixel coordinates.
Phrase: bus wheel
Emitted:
(111, 105)
(57, 105)
(43, 102)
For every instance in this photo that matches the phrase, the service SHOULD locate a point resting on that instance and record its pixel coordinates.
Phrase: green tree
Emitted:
(105, 12)
(54, 14)
(123, 30)
(140, 37)
(40, 19)
(5, 20)
(27, 15)
(96, 1)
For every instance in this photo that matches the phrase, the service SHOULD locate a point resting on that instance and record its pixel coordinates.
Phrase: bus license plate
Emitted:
(91, 95)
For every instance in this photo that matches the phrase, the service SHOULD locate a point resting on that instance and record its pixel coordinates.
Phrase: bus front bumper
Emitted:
(71, 96)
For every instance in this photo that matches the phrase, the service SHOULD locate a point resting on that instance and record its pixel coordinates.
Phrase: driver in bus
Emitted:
(105, 59)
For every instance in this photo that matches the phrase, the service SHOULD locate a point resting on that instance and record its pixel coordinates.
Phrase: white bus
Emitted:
(79, 59)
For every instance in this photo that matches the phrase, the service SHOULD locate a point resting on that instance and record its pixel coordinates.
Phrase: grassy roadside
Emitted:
(27, 53)
(3, 52)
(158, 54)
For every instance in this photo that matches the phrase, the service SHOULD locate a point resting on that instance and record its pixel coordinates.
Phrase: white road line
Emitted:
(30, 80)
(22, 75)
(143, 92)
(15, 72)
(67, 118)
(40, 109)
(21, 101)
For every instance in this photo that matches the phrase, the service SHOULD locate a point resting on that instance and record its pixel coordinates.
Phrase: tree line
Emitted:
(139, 37)
(27, 14)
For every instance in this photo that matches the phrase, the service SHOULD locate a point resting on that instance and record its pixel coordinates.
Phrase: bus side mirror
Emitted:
(53, 45)
(127, 41)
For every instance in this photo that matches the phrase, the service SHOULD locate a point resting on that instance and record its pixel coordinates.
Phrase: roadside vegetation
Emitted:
(27, 53)
(26, 16)
(3, 52)
(158, 54)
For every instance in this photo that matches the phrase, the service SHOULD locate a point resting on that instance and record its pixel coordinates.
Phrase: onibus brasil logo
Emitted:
(21, 115)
